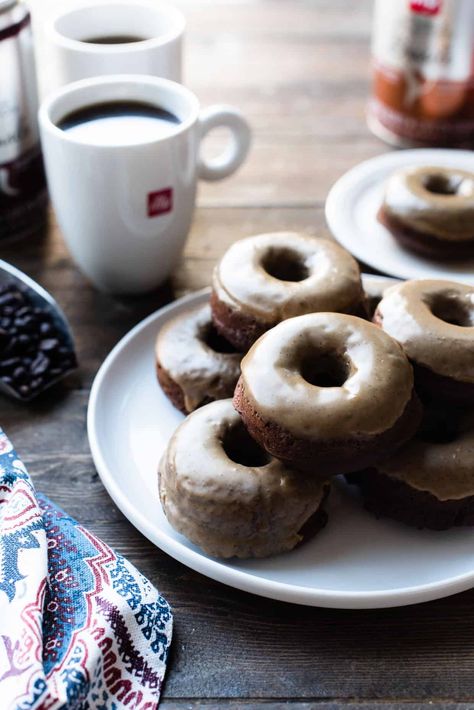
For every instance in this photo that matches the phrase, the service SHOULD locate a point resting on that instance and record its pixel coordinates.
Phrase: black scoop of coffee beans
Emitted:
(33, 351)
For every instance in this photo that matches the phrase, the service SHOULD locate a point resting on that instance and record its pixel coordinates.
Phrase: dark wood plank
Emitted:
(292, 705)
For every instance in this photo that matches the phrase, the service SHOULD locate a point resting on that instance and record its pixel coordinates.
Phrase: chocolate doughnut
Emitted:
(430, 210)
(194, 364)
(433, 320)
(429, 482)
(263, 280)
(325, 392)
(228, 496)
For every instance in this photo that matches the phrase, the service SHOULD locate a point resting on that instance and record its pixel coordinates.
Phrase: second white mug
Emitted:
(115, 37)
(125, 202)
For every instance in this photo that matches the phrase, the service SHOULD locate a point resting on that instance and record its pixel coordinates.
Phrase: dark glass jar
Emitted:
(423, 73)
(23, 196)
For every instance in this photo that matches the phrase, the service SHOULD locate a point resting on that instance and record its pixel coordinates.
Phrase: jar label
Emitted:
(423, 72)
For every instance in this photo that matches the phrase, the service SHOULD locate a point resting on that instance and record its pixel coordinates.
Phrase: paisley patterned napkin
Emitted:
(80, 627)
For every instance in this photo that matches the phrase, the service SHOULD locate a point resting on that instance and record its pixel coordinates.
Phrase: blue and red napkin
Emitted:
(80, 627)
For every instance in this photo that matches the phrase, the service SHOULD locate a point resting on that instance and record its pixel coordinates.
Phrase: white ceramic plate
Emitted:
(351, 213)
(355, 562)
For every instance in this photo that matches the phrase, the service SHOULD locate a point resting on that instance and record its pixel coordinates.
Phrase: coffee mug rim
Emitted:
(47, 123)
(121, 48)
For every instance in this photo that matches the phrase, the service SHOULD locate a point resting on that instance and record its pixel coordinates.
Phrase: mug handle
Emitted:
(235, 152)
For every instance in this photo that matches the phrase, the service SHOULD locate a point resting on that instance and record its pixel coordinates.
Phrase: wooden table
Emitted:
(299, 71)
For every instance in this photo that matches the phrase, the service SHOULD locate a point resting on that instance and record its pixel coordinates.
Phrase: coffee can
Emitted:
(423, 73)
(23, 195)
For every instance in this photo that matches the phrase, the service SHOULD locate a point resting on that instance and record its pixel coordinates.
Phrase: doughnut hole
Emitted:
(216, 342)
(239, 447)
(284, 265)
(440, 184)
(324, 369)
(452, 311)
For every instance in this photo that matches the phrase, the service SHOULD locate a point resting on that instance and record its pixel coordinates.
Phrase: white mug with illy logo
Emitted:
(125, 209)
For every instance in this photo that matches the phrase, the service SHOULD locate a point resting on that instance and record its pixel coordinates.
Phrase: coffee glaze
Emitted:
(444, 469)
(445, 216)
(377, 388)
(417, 314)
(331, 277)
(265, 279)
(183, 352)
(230, 509)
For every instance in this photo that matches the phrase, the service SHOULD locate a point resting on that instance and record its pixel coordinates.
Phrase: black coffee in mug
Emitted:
(114, 39)
(119, 123)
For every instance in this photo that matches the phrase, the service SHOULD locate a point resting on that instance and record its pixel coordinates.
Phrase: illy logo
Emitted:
(160, 202)
(426, 7)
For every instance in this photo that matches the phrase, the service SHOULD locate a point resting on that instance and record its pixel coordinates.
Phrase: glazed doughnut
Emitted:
(263, 280)
(226, 495)
(194, 364)
(430, 210)
(325, 392)
(433, 321)
(429, 482)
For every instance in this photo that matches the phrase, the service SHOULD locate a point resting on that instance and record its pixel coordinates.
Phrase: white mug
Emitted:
(75, 57)
(125, 210)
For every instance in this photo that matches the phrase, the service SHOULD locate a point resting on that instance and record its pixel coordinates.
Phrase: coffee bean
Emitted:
(9, 364)
(7, 380)
(39, 365)
(46, 328)
(26, 323)
(23, 311)
(19, 373)
(36, 383)
(48, 344)
(8, 299)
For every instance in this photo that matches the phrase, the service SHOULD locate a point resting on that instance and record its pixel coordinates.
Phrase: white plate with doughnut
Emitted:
(357, 561)
(355, 199)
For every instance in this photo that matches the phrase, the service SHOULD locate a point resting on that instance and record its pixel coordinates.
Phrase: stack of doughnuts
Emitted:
(429, 482)
(430, 211)
(317, 390)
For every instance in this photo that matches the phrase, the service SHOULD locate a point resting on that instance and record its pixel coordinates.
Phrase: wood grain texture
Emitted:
(299, 70)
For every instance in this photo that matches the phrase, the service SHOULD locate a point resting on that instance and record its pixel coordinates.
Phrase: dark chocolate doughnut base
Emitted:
(316, 522)
(388, 497)
(332, 456)
(173, 391)
(240, 329)
(171, 388)
(243, 330)
(426, 244)
(440, 387)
